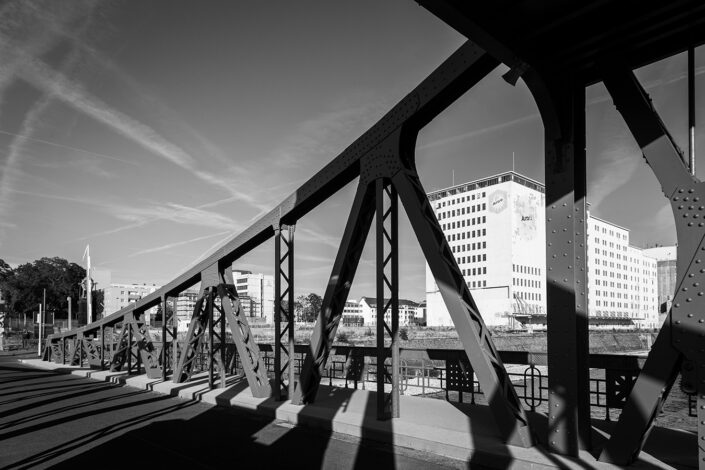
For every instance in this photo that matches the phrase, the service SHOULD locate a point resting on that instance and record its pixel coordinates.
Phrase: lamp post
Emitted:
(39, 344)
(69, 301)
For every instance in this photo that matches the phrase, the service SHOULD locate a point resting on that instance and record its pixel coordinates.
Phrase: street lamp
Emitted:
(39, 344)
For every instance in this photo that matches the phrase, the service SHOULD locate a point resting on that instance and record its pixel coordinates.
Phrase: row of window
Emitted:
(462, 211)
(471, 259)
(518, 281)
(454, 237)
(474, 271)
(463, 223)
(462, 199)
(612, 233)
(535, 296)
(469, 246)
(519, 268)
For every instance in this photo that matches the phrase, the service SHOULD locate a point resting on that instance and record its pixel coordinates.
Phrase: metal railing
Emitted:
(446, 374)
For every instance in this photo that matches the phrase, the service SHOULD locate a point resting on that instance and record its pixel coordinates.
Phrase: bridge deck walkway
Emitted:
(455, 430)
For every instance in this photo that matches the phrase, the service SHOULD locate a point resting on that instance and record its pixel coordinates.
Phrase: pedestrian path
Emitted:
(455, 430)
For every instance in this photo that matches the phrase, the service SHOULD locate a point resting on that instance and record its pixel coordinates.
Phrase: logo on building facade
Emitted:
(498, 201)
(526, 210)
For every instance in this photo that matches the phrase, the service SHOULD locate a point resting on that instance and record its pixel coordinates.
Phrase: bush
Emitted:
(369, 332)
(343, 337)
(403, 334)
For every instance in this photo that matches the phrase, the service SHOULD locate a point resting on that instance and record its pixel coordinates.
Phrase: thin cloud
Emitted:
(28, 127)
(73, 94)
(171, 212)
(176, 244)
(69, 147)
(477, 132)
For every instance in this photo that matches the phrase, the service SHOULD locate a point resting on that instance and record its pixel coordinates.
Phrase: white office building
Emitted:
(622, 279)
(256, 292)
(496, 229)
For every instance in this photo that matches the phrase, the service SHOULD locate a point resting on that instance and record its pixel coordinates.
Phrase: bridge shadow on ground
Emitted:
(230, 436)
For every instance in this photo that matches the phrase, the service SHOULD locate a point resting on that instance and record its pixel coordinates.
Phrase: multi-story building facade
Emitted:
(496, 229)
(407, 311)
(118, 296)
(621, 278)
(256, 292)
(666, 271)
(352, 314)
(185, 303)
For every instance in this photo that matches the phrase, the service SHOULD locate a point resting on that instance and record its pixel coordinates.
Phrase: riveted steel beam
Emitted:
(284, 355)
(682, 336)
(341, 278)
(560, 97)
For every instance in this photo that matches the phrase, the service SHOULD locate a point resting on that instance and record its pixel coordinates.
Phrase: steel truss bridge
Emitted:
(557, 48)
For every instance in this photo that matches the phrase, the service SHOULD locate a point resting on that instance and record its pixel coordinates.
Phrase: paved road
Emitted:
(60, 421)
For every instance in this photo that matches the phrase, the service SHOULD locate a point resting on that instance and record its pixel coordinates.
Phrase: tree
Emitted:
(315, 302)
(23, 287)
(308, 307)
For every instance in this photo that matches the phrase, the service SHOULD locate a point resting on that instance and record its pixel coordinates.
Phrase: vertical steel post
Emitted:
(174, 335)
(284, 355)
(209, 314)
(387, 279)
(164, 304)
(129, 347)
(691, 110)
(278, 394)
(562, 102)
(102, 347)
(290, 314)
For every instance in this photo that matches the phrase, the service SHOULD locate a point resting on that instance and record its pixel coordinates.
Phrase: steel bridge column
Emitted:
(561, 101)
(340, 280)
(165, 331)
(174, 335)
(387, 297)
(284, 353)
(680, 341)
(102, 347)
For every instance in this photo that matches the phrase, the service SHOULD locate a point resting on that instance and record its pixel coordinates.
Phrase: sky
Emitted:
(156, 131)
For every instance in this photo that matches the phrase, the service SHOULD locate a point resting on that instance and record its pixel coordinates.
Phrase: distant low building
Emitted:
(666, 257)
(352, 314)
(367, 309)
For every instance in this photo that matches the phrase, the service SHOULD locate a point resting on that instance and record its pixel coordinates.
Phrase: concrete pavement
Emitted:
(452, 430)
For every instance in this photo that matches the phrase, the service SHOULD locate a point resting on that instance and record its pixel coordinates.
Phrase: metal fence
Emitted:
(447, 374)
